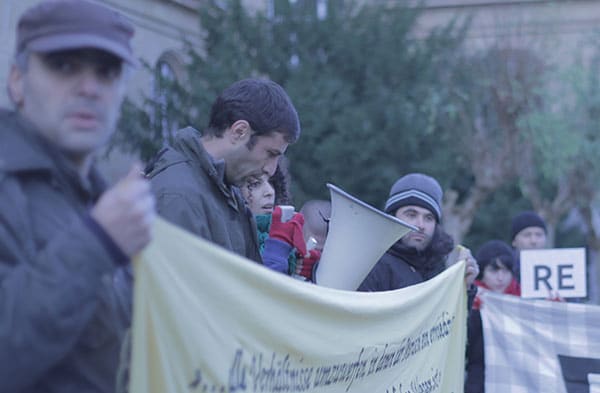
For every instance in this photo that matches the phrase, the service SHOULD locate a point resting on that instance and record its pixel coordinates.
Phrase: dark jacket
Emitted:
(191, 192)
(475, 379)
(474, 365)
(64, 293)
(403, 266)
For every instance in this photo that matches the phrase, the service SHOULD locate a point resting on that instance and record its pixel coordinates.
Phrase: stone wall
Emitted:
(557, 25)
(161, 28)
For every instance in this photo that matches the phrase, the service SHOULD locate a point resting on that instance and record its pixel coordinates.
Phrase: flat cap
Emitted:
(58, 25)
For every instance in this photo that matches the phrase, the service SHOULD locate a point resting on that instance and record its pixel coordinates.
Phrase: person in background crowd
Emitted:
(281, 242)
(496, 262)
(262, 193)
(251, 124)
(316, 221)
(528, 232)
(65, 238)
(259, 194)
(420, 255)
(280, 245)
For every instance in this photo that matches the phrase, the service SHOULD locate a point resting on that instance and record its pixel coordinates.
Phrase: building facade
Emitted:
(161, 28)
(164, 25)
(556, 24)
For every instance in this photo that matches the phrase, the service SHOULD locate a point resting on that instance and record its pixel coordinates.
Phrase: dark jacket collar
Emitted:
(23, 150)
(188, 142)
(430, 261)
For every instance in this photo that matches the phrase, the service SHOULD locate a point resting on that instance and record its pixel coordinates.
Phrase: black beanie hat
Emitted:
(416, 189)
(493, 249)
(524, 220)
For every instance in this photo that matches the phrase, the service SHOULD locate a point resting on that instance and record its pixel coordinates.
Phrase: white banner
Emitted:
(206, 320)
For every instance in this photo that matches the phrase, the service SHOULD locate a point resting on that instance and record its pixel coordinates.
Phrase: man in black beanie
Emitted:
(528, 232)
(418, 256)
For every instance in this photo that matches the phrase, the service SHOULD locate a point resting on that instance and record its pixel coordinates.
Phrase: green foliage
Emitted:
(564, 132)
(493, 219)
(368, 92)
(376, 101)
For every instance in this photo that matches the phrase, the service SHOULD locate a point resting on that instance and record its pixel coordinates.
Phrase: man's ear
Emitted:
(240, 132)
(15, 85)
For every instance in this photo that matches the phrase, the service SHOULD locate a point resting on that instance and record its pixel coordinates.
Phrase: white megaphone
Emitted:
(358, 236)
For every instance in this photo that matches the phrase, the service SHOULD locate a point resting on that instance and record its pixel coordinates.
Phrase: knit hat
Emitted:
(492, 250)
(416, 189)
(524, 220)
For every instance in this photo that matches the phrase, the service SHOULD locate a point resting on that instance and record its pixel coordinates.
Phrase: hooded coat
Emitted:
(191, 192)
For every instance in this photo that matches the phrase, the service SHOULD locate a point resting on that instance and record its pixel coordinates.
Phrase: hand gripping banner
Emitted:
(206, 320)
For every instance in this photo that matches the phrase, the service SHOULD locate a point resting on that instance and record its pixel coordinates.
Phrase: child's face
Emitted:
(497, 276)
(259, 194)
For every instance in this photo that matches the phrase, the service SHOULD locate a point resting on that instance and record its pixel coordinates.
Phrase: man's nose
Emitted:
(88, 83)
(420, 222)
(271, 166)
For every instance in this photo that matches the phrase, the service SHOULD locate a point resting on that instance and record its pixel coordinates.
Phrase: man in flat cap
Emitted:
(65, 239)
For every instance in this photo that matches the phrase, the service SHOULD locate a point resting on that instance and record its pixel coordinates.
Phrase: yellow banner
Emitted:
(206, 320)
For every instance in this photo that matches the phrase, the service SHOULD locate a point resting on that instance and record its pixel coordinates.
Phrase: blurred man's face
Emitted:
(72, 97)
(316, 230)
(530, 238)
(421, 218)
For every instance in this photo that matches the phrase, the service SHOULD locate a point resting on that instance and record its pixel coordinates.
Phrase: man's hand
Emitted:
(126, 212)
(555, 297)
(305, 266)
(461, 253)
(472, 268)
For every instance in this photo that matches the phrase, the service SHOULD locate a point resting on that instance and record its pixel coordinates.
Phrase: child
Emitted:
(496, 261)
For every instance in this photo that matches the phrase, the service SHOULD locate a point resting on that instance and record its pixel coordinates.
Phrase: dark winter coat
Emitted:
(64, 292)
(403, 266)
(191, 192)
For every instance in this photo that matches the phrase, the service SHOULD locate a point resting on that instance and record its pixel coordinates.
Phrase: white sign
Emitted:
(594, 381)
(544, 273)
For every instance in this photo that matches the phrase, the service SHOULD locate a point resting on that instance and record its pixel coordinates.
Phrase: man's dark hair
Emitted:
(495, 253)
(262, 103)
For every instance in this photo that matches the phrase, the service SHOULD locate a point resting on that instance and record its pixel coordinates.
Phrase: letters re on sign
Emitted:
(546, 272)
